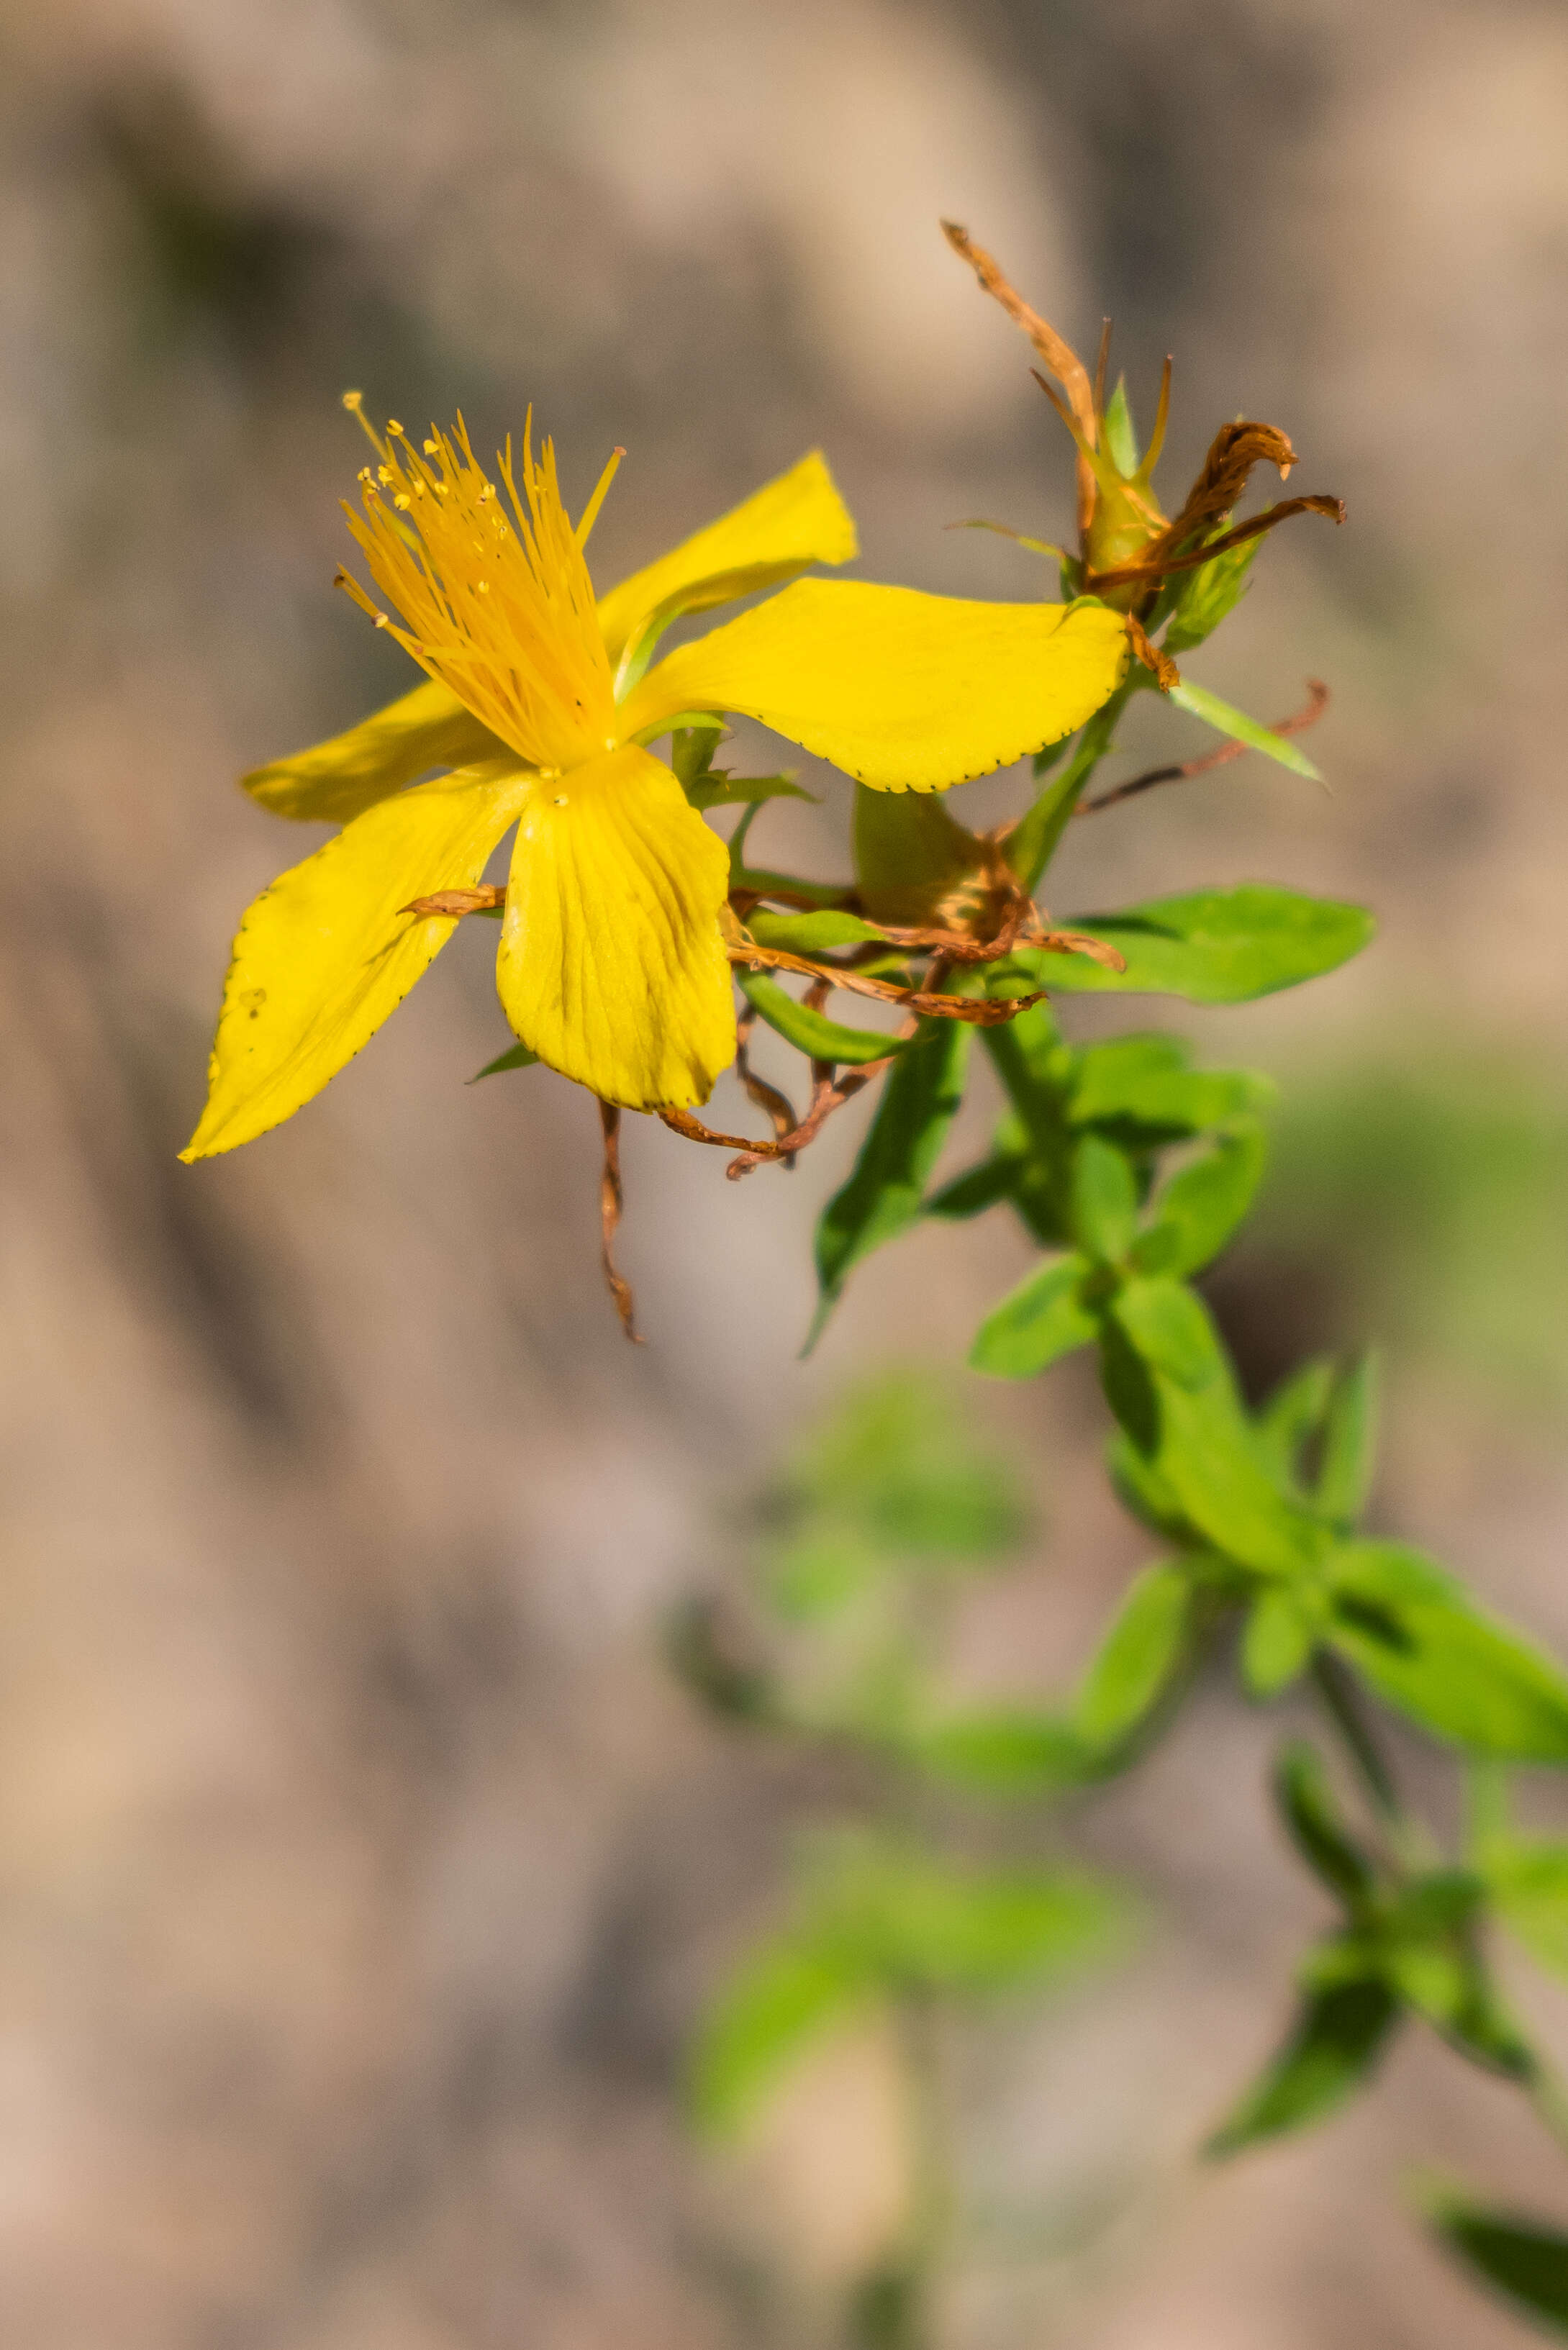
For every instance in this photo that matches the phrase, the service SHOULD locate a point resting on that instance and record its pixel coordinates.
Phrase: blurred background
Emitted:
(362, 1865)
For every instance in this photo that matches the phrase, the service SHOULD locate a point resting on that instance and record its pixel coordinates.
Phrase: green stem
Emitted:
(931, 2213)
(1032, 841)
(1549, 2104)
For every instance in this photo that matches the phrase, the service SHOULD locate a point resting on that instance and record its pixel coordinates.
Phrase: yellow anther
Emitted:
(402, 502)
(353, 401)
(433, 448)
(392, 427)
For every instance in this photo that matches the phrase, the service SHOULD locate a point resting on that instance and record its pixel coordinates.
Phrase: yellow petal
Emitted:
(324, 954)
(336, 781)
(611, 966)
(906, 691)
(796, 520)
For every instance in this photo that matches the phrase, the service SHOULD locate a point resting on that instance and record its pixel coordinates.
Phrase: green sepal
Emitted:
(1120, 436)
(516, 1057)
(1209, 595)
(810, 1032)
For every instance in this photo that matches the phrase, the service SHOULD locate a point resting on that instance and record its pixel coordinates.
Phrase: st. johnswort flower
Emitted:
(540, 701)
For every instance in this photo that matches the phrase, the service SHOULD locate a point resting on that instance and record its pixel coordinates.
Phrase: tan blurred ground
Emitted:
(360, 1869)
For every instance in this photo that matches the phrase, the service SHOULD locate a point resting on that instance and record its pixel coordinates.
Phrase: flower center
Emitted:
(494, 592)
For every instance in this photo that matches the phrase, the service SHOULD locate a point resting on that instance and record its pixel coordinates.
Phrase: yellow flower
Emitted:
(612, 966)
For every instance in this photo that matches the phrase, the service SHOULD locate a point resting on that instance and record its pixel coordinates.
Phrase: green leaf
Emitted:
(1198, 702)
(1121, 439)
(1339, 2036)
(1277, 1645)
(1317, 1830)
(1411, 1631)
(1522, 2258)
(1145, 1494)
(1139, 1659)
(779, 2001)
(811, 934)
(1209, 595)
(822, 1569)
(812, 1032)
(745, 791)
(914, 1923)
(1104, 1200)
(980, 1187)
(1434, 1961)
(1036, 1323)
(885, 1193)
(1140, 1087)
(1292, 1416)
(1201, 1207)
(770, 884)
(516, 1057)
(1036, 1070)
(1002, 1751)
(1203, 1449)
(1350, 1444)
(1213, 946)
(898, 1462)
(1528, 1885)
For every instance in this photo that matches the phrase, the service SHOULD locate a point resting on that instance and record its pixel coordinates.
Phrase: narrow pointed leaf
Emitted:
(1350, 1444)
(1202, 1206)
(1278, 1641)
(885, 1192)
(1524, 2260)
(1198, 702)
(1103, 1200)
(1338, 2038)
(812, 1032)
(1139, 1659)
(1213, 946)
(1312, 1815)
(1413, 1633)
(516, 1057)
(1037, 1323)
(776, 2003)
